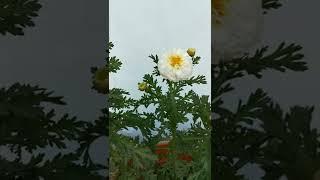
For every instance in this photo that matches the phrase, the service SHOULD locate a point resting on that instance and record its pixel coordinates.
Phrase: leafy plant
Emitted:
(27, 126)
(15, 15)
(171, 107)
(258, 131)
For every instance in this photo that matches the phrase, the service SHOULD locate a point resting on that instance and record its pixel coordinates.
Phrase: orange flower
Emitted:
(130, 163)
(163, 144)
(162, 161)
(162, 151)
(185, 157)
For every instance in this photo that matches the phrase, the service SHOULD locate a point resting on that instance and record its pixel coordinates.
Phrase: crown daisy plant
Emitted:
(174, 122)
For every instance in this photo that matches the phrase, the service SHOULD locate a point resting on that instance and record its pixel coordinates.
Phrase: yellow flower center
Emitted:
(175, 60)
(218, 8)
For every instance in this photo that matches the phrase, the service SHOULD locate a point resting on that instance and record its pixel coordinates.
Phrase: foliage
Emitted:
(271, 4)
(15, 15)
(168, 104)
(30, 127)
(258, 130)
(27, 126)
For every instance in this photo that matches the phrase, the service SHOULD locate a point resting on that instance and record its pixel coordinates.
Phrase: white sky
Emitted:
(143, 27)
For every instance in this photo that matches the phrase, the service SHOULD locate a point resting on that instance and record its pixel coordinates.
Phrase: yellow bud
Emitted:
(142, 86)
(191, 52)
(101, 80)
(101, 74)
(101, 86)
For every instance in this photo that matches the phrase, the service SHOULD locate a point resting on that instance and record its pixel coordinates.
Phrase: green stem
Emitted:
(173, 114)
(173, 121)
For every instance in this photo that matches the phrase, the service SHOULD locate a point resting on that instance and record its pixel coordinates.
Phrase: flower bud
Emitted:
(101, 80)
(101, 74)
(142, 86)
(191, 52)
(101, 86)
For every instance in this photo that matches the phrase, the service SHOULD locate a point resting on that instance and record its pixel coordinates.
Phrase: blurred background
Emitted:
(68, 39)
(292, 23)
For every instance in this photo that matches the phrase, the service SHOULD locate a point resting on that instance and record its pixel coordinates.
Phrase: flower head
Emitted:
(236, 26)
(175, 65)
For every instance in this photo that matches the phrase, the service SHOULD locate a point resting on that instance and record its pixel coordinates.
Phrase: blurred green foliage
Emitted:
(16, 15)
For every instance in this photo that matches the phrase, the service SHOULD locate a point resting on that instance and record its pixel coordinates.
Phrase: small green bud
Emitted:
(142, 86)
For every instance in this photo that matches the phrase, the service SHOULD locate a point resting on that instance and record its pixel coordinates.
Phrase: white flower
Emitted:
(237, 27)
(175, 65)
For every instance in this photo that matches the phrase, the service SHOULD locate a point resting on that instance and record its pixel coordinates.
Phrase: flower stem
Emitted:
(173, 122)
